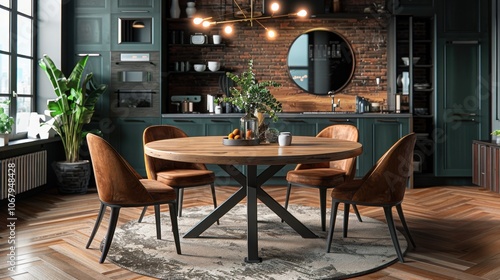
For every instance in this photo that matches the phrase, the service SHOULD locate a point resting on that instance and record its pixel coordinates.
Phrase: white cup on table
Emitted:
(285, 139)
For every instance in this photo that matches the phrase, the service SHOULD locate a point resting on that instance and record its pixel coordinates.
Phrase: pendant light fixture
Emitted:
(250, 17)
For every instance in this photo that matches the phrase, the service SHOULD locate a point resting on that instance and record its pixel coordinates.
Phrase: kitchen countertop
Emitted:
(306, 115)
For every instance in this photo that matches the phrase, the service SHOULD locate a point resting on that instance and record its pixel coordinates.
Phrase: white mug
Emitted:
(284, 140)
(216, 39)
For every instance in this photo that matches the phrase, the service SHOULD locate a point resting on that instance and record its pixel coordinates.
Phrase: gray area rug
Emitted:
(219, 252)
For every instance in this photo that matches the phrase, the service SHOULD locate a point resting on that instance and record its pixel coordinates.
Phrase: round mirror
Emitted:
(320, 61)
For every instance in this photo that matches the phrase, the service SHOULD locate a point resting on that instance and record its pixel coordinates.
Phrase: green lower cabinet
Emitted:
(127, 139)
(192, 127)
(377, 135)
(302, 127)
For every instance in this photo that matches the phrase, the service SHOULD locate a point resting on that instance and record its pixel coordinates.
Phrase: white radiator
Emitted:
(30, 171)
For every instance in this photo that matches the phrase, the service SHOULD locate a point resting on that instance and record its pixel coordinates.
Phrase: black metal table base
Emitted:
(251, 189)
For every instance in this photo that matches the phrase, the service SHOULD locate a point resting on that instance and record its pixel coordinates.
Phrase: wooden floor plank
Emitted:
(456, 229)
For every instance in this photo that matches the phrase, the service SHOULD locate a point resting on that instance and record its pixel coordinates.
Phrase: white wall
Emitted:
(49, 42)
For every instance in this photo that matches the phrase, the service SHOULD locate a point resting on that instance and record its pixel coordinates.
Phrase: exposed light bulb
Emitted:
(275, 7)
(271, 34)
(205, 23)
(302, 13)
(197, 20)
(228, 29)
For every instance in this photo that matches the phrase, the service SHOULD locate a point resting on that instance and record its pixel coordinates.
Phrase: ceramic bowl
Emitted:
(213, 66)
(200, 67)
(406, 60)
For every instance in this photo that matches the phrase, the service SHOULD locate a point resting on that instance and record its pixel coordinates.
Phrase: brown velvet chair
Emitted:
(178, 175)
(119, 185)
(383, 186)
(325, 175)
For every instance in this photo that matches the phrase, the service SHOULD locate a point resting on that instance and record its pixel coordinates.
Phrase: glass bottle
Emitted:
(249, 126)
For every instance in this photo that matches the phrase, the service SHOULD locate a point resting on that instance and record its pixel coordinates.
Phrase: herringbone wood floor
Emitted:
(457, 231)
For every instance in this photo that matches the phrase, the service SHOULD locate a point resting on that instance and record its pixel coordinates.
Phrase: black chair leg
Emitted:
(287, 196)
(102, 210)
(333, 217)
(113, 219)
(405, 226)
(180, 197)
(392, 230)
(322, 207)
(212, 188)
(357, 212)
(157, 221)
(346, 218)
(175, 227)
(142, 214)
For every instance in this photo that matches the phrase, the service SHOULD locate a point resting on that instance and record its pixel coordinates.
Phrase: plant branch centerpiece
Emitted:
(76, 97)
(253, 97)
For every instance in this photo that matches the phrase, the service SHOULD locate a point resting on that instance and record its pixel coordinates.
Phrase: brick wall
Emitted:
(367, 37)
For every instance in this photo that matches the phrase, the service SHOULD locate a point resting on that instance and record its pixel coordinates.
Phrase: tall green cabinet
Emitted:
(463, 82)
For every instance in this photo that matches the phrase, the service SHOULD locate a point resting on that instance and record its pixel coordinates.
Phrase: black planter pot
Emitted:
(72, 177)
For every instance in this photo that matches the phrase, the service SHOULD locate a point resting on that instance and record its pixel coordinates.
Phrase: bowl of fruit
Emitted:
(235, 138)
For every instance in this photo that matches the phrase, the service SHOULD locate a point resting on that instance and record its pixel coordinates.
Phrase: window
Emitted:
(17, 59)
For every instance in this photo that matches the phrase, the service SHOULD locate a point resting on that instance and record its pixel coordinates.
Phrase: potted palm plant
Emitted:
(6, 123)
(253, 97)
(72, 108)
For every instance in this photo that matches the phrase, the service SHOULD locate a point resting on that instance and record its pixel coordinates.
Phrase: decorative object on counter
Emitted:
(218, 105)
(253, 96)
(73, 108)
(496, 136)
(248, 15)
(175, 9)
(397, 103)
(336, 6)
(190, 9)
(6, 123)
(271, 135)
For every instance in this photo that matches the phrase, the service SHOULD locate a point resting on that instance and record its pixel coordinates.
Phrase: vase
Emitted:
(175, 10)
(249, 126)
(218, 109)
(72, 177)
(191, 9)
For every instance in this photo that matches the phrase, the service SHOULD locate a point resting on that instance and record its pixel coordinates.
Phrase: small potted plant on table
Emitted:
(496, 136)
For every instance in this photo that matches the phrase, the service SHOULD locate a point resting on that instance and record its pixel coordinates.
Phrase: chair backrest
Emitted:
(154, 165)
(117, 182)
(386, 182)
(343, 132)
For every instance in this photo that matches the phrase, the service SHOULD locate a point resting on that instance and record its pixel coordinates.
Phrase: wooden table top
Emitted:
(210, 150)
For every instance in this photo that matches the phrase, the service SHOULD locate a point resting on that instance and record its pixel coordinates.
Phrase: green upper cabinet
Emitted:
(463, 82)
(411, 7)
(131, 6)
(136, 25)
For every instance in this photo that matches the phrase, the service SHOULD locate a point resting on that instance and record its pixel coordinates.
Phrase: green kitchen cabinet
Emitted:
(302, 127)
(126, 137)
(377, 135)
(463, 75)
(191, 126)
(130, 6)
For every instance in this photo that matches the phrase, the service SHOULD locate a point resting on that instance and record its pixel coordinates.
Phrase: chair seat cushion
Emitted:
(158, 190)
(182, 178)
(318, 177)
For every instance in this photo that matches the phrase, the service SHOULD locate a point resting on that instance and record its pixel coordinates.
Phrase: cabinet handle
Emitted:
(130, 11)
(294, 121)
(470, 42)
(387, 121)
(465, 114)
(465, 120)
(220, 121)
(339, 121)
(184, 121)
(135, 121)
(89, 54)
(130, 62)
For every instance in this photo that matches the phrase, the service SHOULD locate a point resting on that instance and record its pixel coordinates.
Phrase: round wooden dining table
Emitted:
(211, 150)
